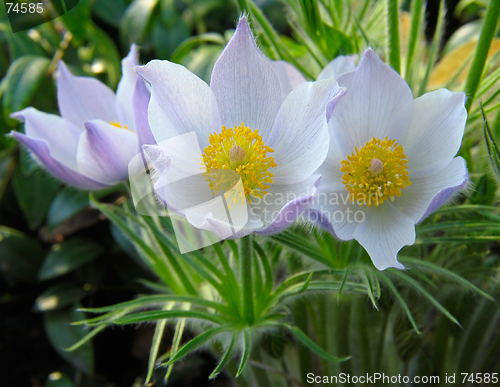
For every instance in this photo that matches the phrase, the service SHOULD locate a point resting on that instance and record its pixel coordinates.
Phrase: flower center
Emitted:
(375, 172)
(243, 151)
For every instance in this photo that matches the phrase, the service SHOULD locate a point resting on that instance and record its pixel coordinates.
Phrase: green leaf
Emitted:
(62, 335)
(58, 296)
(111, 11)
(159, 315)
(68, 256)
(304, 339)
(137, 21)
(197, 342)
(34, 193)
(20, 256)
(247, 350)
(56, 379)
(492, 147)
(226, 358)
(195, 41)
(67, 203)
(20, 84)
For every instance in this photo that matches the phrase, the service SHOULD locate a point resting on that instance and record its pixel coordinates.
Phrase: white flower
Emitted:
(392, 155)
(245, 123)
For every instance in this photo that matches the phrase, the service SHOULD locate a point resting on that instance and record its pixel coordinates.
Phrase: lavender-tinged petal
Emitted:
(435, 131)
(340, 65)
(140, 108)
(246, 87)
(61, 135)
(40, 150)
(126, 88)
(383, 233)
(82, 99)
(289, 76)
(300, 136)
(284, 204)
(427, 194)
(180, 102)
(104, 152)
(377, 104)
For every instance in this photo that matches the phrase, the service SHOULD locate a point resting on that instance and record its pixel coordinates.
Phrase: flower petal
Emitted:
(140, 107)
(126, 87)
(180, 102)
(289, 76)
(61, 135)
(383, 233)
(246, 87)
(284, 204)
(40, 149)
(340, 65)
(427, 194)
(82, 99)
(377, 104)
(435, 131)
(300, 136)
(334, 212)
(104, 152)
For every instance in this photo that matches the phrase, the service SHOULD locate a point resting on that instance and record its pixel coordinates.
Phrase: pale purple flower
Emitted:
(244, 88)
(394, 187)
(90, 145)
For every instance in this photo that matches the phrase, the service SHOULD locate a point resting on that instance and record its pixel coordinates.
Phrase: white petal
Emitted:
(300, 135)
(289, 76)
(383, 233)
(180, 102)
(61, 135)
(340, 65)
(435, 131)
(83, 99)
(245, 84)
(377, 104)
(104, 152)
(126, 88)
(427, 194)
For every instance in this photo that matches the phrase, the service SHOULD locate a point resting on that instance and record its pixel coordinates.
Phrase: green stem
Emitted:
(246, 278)
(481, 54)
(393, 23)
(416, 14)
(434, 48)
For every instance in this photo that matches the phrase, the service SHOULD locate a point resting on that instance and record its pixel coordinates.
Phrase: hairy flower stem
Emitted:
(481, 54)
(246, 279)
(393, 23)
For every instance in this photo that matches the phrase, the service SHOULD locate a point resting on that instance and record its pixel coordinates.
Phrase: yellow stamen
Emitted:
(375, 172)
(243, 151)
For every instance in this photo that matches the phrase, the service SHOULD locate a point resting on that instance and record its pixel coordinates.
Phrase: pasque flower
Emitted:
(391, 160)
(90, 145)
(246, 121)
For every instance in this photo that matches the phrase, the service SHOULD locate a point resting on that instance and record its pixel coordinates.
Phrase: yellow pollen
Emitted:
(375, 172)
(241, 150)
(120, 126)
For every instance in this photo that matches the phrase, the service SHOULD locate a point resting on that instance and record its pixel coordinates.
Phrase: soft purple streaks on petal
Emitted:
(126, 87)
(140, 107)
(246, 87)
(61, 135)
(384, 232)
(84, 98)
(435, 131)
(41, 150)
(284, 204)
(377, 104)
(300, 135)
(289, 76)
(427, 194)
(180, 102)
(104, 152)
(340, 65)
